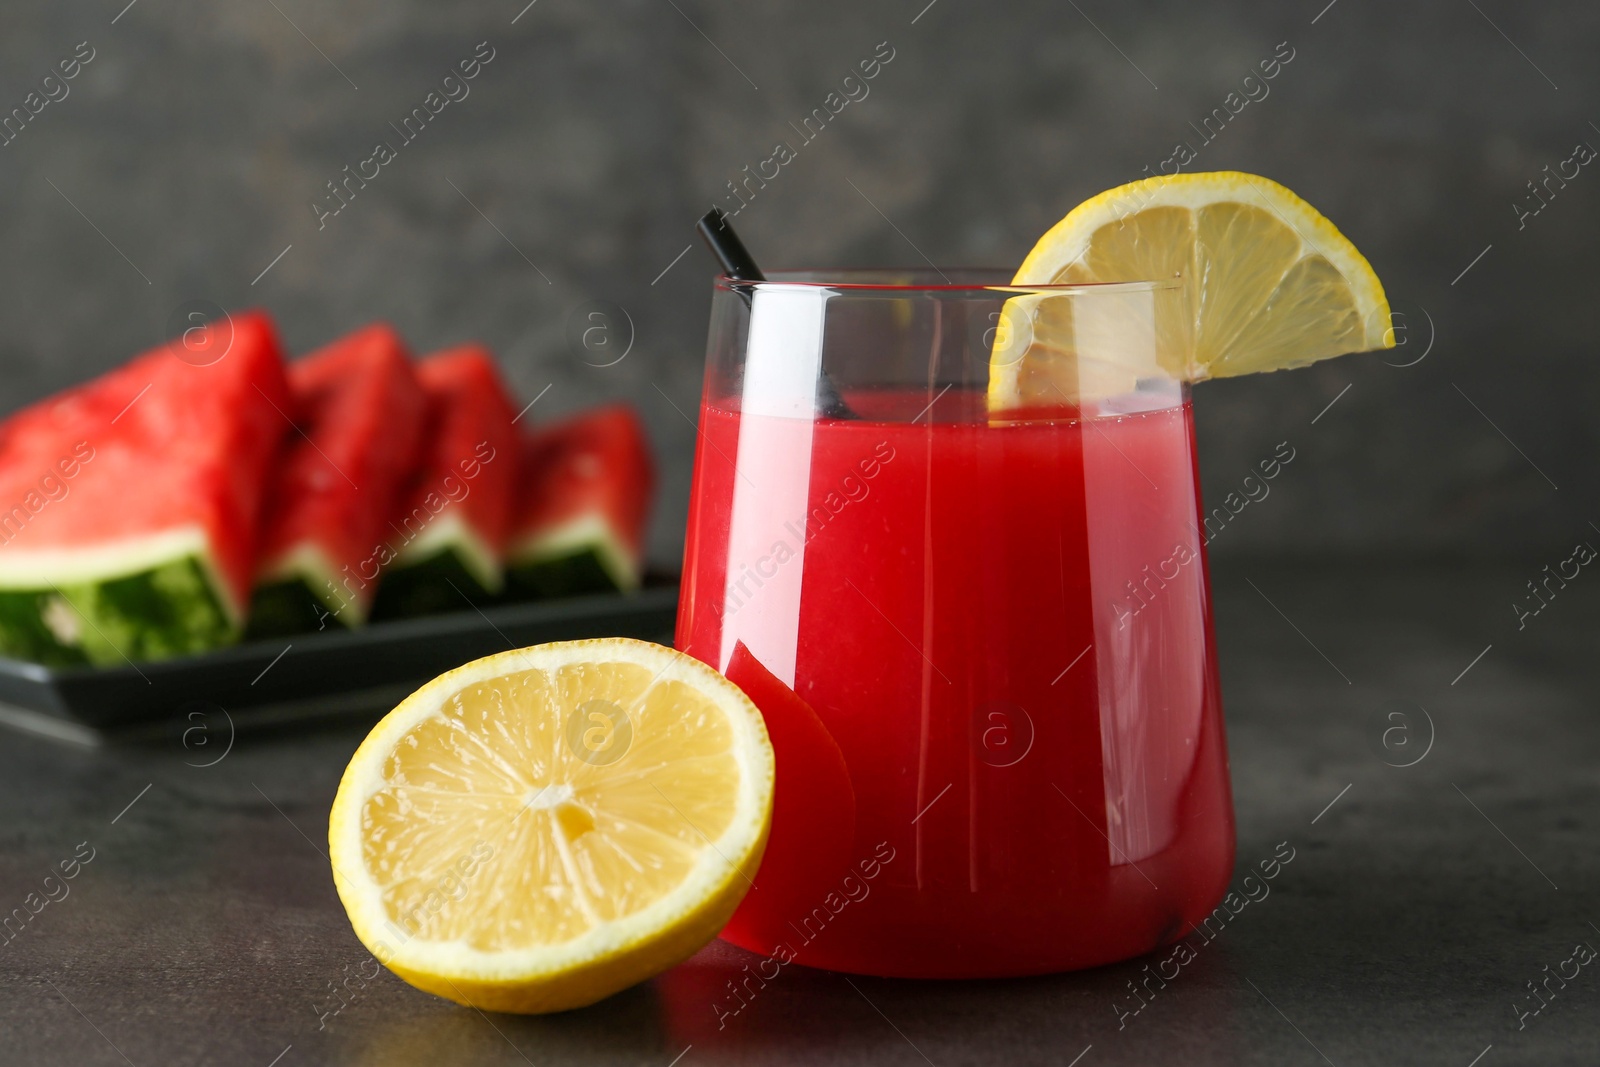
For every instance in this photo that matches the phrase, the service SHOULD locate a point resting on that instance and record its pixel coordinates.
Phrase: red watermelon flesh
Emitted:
(359, 410)
(587, 482)
(457, 510)
(162, 460)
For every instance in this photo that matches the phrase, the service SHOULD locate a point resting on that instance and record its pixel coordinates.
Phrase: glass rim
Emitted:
(853, 279)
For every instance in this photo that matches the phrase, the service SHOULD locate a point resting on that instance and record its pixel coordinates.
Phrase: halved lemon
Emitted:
(1265, 283)
(541, 828)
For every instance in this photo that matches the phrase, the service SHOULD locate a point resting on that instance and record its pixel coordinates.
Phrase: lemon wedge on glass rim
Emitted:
(1262, 282)
(544, 827)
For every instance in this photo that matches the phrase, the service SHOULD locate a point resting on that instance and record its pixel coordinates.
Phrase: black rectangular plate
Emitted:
(315, 674)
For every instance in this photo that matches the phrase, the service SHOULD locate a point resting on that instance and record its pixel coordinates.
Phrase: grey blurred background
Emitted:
(186, 154)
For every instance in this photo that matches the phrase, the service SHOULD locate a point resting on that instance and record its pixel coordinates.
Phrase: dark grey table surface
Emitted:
(1421, 902)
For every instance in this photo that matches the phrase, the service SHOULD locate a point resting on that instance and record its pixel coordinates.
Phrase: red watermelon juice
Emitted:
(1007, 631)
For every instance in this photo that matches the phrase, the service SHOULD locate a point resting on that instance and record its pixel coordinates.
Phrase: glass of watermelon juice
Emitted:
(1000, 620)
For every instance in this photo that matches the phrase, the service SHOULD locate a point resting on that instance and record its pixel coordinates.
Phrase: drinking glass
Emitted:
(998, 609)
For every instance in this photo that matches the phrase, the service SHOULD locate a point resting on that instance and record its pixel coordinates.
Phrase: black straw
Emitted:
(737, 263)
(740, 266)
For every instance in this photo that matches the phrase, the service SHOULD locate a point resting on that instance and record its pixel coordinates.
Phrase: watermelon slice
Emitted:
(448, 540)
(359, 410)
(128, 505)
(586, 487)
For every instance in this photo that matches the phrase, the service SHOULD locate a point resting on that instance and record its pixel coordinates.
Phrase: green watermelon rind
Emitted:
(450, 532)
(447, 566)
(172, 609)
(294, 606)
(302, 584)
(440, 584)
(582, 555)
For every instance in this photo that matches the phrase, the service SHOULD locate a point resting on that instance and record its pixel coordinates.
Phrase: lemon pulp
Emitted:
(532, 829)
(1265, 283)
